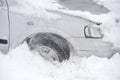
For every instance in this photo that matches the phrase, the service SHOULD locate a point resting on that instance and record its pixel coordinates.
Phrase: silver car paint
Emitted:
(69, 27)
(4, 32)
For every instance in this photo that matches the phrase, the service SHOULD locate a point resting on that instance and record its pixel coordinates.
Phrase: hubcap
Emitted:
(48, 53)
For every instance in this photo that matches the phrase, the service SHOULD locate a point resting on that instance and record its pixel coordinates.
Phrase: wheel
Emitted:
(50, 46)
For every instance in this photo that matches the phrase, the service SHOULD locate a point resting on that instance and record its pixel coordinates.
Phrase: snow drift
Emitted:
(21, 64)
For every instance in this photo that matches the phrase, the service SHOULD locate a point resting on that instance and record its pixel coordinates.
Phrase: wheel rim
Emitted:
(48, 53)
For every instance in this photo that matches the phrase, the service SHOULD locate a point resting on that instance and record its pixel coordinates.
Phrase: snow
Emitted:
(22, 64)
(34, 8)
(111, 25)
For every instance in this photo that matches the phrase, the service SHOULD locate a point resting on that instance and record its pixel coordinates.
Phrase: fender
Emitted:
(22, 37)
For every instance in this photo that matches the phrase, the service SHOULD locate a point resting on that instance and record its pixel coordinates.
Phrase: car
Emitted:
(55, 41)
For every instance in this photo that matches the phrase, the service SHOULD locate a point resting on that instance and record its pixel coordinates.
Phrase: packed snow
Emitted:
(22, 64)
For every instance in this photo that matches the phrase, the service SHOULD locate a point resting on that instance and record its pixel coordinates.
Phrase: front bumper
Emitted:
(97, 47)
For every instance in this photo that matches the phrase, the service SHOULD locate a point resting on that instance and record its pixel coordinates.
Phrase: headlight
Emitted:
(93, 31)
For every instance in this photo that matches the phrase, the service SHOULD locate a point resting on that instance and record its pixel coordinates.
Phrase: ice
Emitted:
(21, 64)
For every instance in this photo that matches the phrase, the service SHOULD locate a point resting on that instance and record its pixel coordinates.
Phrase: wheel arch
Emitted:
(22, 37)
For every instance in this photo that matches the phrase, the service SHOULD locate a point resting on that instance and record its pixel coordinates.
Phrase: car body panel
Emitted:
(4, 26)
(73, 26)
(72, 32)
(88, 47)
(67, 26)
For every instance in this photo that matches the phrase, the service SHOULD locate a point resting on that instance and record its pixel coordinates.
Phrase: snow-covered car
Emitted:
(56, 40)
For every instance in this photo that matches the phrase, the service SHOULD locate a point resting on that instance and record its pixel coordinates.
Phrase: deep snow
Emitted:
(21, 64)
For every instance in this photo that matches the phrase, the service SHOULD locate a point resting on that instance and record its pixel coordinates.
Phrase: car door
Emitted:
(4, 26)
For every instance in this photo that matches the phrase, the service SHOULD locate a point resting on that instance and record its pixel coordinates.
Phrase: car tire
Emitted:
(50, 46)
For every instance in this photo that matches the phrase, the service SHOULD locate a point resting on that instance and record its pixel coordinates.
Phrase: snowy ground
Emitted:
(21, 64)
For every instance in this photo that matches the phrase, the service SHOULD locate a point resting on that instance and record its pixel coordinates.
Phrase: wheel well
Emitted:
(71, 48)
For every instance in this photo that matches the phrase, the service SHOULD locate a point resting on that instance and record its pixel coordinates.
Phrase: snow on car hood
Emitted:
(34, 8)
(84, 5)
(39, 7)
